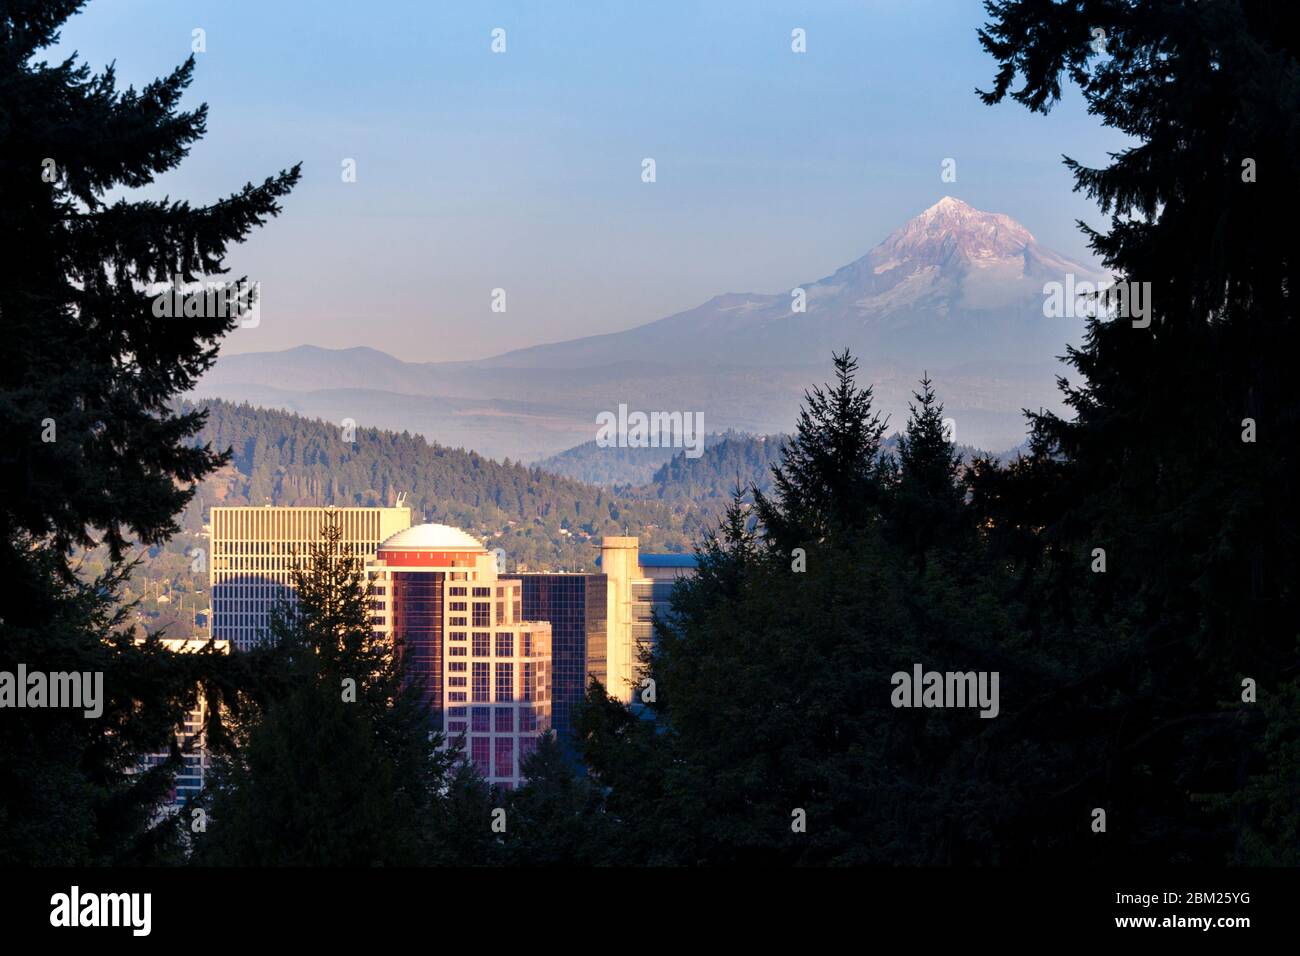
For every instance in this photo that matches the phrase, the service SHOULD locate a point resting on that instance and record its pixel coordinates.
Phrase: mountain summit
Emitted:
(951, 231)
(954, 283)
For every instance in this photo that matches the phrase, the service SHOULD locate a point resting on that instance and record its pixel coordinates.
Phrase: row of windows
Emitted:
(500, 720)
(501, 750)
(482, 644)
(531, 688)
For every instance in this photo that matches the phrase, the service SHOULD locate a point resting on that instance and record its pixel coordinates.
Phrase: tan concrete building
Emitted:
(637, 586)
(254, 552)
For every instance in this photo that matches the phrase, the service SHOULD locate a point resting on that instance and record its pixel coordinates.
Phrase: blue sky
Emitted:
(522, 170)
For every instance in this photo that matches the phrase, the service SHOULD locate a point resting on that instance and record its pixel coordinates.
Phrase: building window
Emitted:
(456, 651)
(480, 750)
(482, 719)
(505, 757)
(482, 592)
(457, 635)
(527, 745)
(505, 644)
(527, 720)
(458, 606)
(505, 720)
(457, 667)
(456, 681)
(505, 682)
(458, 622)
(482, 614)
(457, 592)
(481, 683)
(481, 646)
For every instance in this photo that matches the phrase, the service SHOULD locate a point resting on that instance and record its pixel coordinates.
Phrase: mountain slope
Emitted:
(540, 519)
(952, 284)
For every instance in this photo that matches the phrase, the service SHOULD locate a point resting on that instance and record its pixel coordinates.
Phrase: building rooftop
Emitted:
(432, 537)
(667, 560)
(647, 560)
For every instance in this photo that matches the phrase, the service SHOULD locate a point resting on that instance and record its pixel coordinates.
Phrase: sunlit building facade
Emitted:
(255, 551)
(486, 669)
(639, 586)
(575, 605)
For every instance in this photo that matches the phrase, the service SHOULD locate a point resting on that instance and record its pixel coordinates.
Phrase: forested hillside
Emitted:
(738, 459)
(540, 519)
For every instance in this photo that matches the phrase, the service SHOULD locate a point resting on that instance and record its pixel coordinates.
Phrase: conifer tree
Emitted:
(1177, 460)
(774, 739)
(926, 499)
(90, 450)
(340, 765)
(829, 473)
(557, 816)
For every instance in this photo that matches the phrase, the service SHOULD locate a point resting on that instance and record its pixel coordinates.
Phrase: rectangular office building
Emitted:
(255, 550)
(575, 606)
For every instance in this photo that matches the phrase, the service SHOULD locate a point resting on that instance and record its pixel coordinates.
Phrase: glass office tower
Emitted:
(575, 607)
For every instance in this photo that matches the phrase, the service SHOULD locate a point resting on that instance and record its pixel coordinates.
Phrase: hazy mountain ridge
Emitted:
(541, 519)
(955, 291)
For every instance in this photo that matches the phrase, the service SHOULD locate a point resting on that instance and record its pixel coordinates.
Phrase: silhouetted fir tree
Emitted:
(462, 831)
(557, 816)
(829, 470)
(90, 451)
(631, 763)
(773, 680)
(926, 498)
(1155, 466)
(339, 766)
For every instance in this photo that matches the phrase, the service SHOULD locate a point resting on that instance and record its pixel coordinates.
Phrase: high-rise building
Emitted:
(255, 550)
(191, 737)
(639, 586)
(575, 605)
(436, 594)
(601, 622)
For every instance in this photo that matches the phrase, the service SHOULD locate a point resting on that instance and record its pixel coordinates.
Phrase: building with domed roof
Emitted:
(436, 594)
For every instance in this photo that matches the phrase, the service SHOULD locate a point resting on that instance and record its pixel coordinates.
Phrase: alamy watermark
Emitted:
(240, 300)
(75, 908)
(626, 429)
(75, 690)
(1107, 298)
(922, 688)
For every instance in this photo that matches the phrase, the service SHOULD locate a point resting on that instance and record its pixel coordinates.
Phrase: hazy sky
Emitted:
(522, 170)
